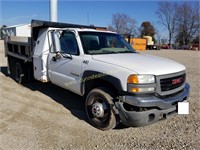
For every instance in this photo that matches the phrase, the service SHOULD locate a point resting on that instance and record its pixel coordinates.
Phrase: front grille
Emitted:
(172, 83)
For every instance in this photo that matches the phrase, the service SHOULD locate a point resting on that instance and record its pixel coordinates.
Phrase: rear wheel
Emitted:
(100, 109)
(20, 74)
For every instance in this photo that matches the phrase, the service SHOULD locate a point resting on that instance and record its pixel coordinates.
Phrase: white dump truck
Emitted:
(118, 83)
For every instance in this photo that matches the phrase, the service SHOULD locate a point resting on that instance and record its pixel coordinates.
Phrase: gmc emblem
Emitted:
(177, 81)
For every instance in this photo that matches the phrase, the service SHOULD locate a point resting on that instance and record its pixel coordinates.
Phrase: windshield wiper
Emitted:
(111, 52)
(127, 52)
(103, 52)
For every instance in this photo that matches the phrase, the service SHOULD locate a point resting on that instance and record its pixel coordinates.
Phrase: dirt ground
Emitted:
(43, 116)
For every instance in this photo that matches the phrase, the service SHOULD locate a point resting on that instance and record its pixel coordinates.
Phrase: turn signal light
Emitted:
(133, 79)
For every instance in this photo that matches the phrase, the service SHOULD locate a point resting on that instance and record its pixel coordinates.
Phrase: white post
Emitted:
(53, 10)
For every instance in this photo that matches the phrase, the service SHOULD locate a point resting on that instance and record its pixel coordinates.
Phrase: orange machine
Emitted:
(137, 43)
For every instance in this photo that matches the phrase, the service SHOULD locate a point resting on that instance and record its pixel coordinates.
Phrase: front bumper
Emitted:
(156, 108)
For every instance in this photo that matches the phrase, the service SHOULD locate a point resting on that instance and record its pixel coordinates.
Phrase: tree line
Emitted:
(180, 19)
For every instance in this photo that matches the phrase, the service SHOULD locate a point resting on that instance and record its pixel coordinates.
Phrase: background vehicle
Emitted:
(119, 84)
(150, 43)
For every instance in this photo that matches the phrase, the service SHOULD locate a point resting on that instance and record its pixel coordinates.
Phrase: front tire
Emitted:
(100, 109)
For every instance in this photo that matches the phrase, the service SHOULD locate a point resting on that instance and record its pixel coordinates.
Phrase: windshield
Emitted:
(104, 43)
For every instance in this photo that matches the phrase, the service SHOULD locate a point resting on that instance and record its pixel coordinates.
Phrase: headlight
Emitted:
(141, 79)
(141, 83)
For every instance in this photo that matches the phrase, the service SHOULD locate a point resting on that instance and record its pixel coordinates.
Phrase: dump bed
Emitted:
(18, 47)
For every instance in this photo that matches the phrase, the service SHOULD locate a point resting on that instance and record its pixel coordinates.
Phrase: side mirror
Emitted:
(55, 41)
(57, 47)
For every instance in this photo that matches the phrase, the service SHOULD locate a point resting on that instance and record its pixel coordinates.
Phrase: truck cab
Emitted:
(118, 83)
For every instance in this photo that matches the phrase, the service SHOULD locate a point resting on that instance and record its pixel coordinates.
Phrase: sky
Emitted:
(97, 13)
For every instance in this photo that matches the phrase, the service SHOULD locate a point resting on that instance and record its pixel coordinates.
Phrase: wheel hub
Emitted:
(97, 110)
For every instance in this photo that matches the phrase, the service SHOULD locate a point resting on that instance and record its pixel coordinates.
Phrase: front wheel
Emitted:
(100, 109)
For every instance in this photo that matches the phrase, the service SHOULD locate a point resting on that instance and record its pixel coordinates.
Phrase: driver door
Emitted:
(64, 61)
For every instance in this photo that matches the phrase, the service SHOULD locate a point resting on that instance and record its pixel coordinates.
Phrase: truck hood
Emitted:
(141, 63)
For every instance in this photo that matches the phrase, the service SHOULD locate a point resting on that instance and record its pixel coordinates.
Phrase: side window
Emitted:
(68, 43)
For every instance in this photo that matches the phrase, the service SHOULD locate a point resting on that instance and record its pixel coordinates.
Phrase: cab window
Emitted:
(68, 43)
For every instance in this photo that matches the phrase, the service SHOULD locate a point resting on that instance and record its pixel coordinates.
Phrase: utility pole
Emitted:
(53, 10)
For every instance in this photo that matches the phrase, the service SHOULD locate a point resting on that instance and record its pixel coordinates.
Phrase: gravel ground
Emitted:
(43, 116)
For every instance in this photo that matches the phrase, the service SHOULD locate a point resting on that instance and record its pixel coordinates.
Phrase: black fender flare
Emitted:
(90, 75)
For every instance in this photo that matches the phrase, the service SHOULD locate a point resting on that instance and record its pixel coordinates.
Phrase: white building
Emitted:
(18, 30)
